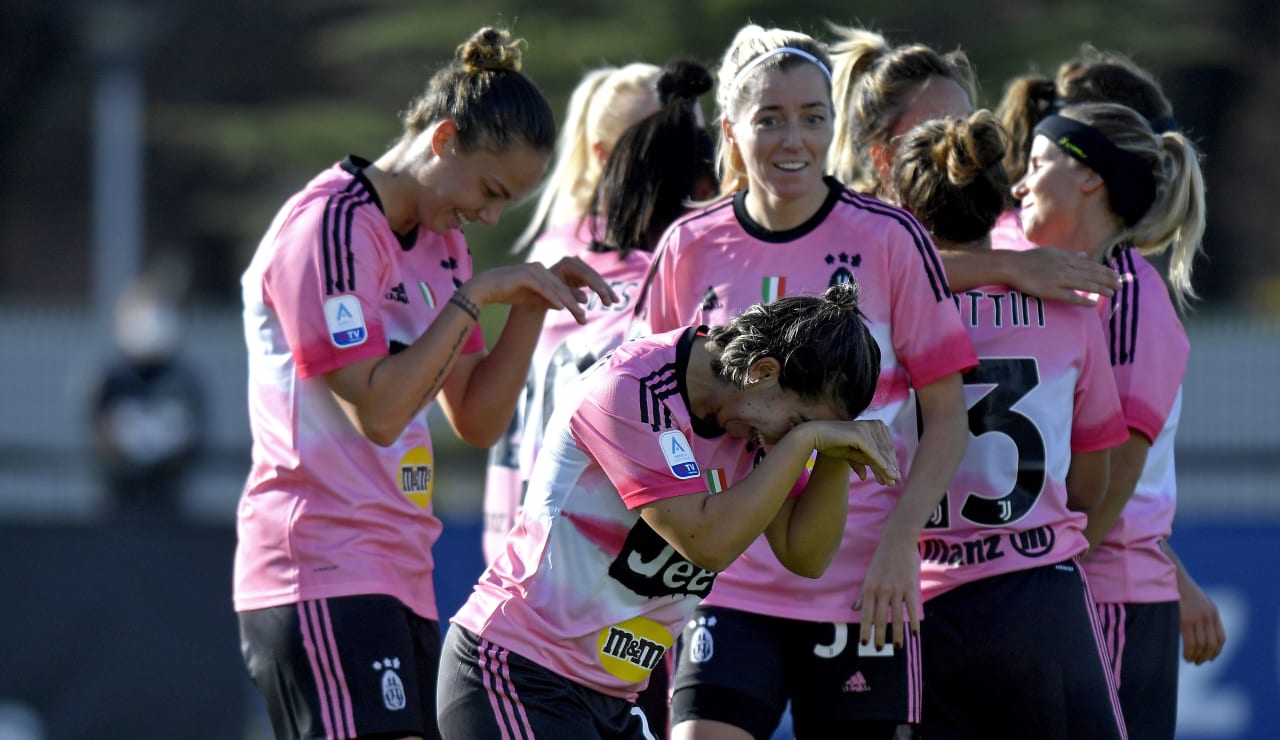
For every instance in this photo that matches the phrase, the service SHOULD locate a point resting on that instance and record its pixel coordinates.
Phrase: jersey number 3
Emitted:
(1011, 378)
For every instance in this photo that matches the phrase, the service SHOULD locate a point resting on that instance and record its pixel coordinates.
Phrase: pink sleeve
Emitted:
(928, 337)
(327, 326)
(1149, 373)
(608, 429)
(658, 311)
(475, 342)
(1097, 422)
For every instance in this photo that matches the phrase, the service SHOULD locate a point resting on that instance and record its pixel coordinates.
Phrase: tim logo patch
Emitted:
(345, 320)
(679, 455)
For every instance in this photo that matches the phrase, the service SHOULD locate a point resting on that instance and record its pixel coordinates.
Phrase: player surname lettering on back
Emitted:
(999, 308)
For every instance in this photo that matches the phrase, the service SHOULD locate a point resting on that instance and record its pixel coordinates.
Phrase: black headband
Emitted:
(1131, 186)
(1163, 124)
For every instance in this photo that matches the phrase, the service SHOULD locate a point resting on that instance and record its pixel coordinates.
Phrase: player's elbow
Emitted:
(483, 436)
(814, 570)
(813, 566)
(381, 437)
(708, 556)
(380, 430)
(1084, 502)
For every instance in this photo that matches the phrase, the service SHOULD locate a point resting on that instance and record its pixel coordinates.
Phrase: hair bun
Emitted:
(970, 146)
(843, 296)
(490, 49)
(683, 79)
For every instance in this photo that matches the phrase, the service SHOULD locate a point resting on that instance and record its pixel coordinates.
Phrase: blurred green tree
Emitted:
(247, 100)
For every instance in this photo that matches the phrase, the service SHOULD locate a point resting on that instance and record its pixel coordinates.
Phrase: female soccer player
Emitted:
(765, 636)
(883, 91)
(653, 477)
(1101, 183)
(360, 307)
(605, 103)
(648, 179)
(1007, 611)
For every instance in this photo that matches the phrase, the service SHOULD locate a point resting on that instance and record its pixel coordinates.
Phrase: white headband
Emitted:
(742, 73)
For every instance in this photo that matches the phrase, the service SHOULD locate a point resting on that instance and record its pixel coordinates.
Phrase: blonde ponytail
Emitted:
(852, 54)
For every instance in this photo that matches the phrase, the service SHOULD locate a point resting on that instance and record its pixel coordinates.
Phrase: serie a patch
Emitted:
(679, 455)
(345, 319)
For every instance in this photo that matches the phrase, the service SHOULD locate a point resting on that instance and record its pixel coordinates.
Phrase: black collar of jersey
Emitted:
(752, 227)
(1118, 249)
(701, 427)
(354, 165)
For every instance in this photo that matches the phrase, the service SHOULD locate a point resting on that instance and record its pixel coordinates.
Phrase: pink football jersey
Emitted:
(584, 587)
(565, 348)
(1042, 391)
(1007, 233)
(1149, 351)
(566, 240)
(716, 262)
(325, 512)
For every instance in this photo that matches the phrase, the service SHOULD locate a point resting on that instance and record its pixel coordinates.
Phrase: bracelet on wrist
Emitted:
(466, 305)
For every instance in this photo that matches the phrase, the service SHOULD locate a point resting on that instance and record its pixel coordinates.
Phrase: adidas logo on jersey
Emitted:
(711, 301)
(856, 684)
(398, 293)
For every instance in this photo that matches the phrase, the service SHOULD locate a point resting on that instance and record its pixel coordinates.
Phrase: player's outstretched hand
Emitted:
(1059, 275)
(578, 275)
(867, 445)
(532, 284)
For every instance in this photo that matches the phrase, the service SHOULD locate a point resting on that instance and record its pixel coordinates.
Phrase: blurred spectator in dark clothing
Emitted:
(147, 407)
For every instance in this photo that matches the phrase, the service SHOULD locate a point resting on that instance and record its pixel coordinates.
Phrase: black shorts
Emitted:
(1142, 640)
(742, 669)
(344, 667)
(1017, 655)
(490, 693)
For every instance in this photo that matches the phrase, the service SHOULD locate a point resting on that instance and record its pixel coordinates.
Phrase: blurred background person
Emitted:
(604, 104)
(147, 407)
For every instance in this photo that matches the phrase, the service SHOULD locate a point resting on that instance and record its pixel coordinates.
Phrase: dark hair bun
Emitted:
(970, 146)
(843, 296)
(683, 79)
(490, 49)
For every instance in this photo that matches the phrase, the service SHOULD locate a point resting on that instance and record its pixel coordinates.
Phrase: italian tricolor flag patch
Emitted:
(716, 481)
(772, 288)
